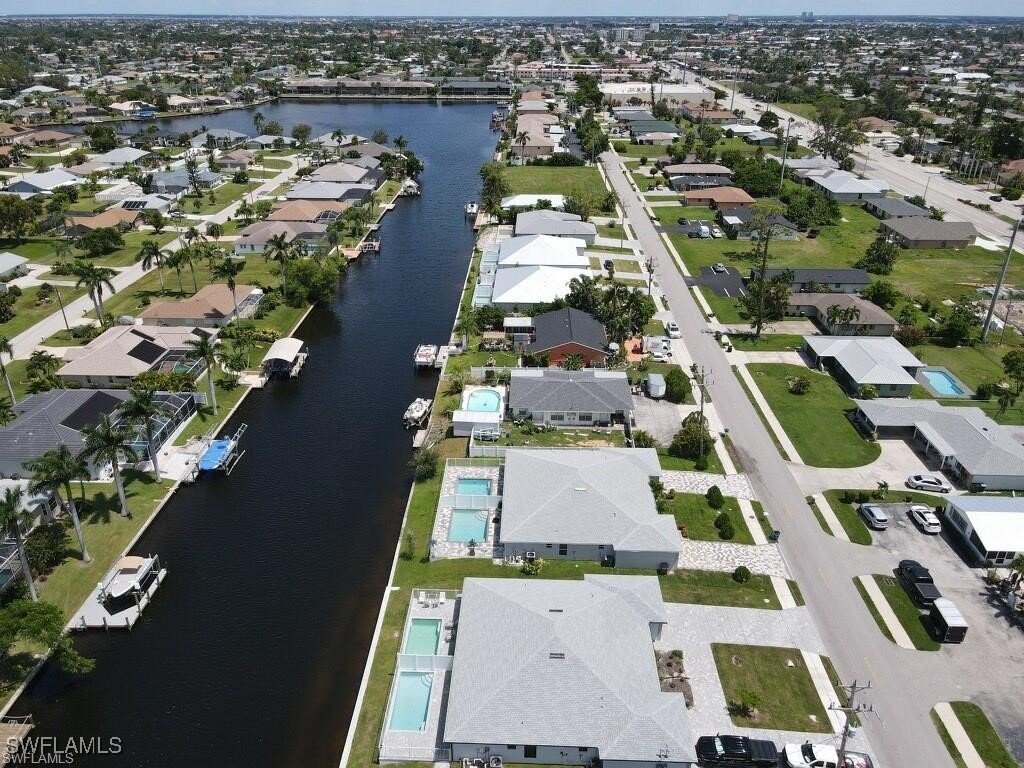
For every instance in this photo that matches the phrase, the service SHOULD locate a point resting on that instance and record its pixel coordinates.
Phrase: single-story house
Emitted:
(11, 133)
(992, 527)
(739, 222)
(856, 316)
(348, 173)
(857, 361)
(811, 280)
(555, 224)
(221, 138)
(697, 169)
(762, 138)
(255, 238)
(969, 445)
(264, 142)
(151, 202)
(236, 159)
(122, 156)
(523, 287)
(543, 250)
(566, 332)
(176, 182)
(314, 211)
(213, 306)
(119, 354)
(121, 219)
(1010, 172)
(329, 190)
(894, 208)
(44, 182)
(529, 201)
(569, 398)
(11, 265)
(719, 198)
(132, 108)
(120, 191)
(583, 650)
(587, 505)
(921, 232)
(843, 186)
(686, 183)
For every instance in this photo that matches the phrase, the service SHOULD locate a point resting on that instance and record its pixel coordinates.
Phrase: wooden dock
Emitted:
(94, 613)
(13, 731)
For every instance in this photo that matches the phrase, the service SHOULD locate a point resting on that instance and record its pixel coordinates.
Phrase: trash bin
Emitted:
(774, 535)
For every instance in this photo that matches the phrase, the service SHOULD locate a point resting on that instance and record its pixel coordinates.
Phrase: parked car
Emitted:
(716, 232)
(719, 268)
(874, 516)
(705, 231)
(928, 483)
(672, 329)
(693, 233)
(683, 222)
(996, 198)
(918, 582)
(809, 755)
(925, 519)
(661, 356)
(723, 751)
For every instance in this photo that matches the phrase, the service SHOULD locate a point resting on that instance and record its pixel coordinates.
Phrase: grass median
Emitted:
(981, 733)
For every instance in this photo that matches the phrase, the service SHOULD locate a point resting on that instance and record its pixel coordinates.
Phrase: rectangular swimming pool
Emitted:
(422, 637)
(412, 701)
(473, 486)
(468, 524)
(942, 382)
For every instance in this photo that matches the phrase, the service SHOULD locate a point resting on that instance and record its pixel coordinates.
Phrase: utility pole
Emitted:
(56, 290)
(785, 154)
(999, 283)
(703, 377)
(851, 708)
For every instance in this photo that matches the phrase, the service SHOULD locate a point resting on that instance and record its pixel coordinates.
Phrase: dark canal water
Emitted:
(252, 652)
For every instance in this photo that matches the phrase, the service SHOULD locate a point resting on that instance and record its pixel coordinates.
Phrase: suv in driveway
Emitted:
(724, 751)
(672, 330)
(928, 483)
(925, 519)
(874, 516)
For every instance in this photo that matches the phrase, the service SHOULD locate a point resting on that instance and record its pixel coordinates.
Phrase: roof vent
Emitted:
(556, 655)
(555, 610)
(580, 488)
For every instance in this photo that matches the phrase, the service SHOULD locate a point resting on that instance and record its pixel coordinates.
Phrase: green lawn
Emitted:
(29, 311)
(651, 152)
(562, 437)
(973, 365)
(274, 163)
(806, 111)
(908, 614)
(849, 518)
(769, 342)
(654, 328)
(981, 733)
(778, 678)
(204, 420)
(610, 230)
(629, 266)
(717, 588)
(38, 250)
(540, 180)
(223, 196)
(760, 414)
(815, 422)
(692, 513)
(686, 465)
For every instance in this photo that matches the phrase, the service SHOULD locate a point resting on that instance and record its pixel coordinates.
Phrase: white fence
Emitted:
(411, 662)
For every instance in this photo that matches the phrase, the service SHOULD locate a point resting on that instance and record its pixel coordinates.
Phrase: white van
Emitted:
(705, 231)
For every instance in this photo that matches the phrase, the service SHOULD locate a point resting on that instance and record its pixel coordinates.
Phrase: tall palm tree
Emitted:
(278, 249)
(109, 442)
(151, 256)
(7, 349)
(142, 406)
(227, 270)
(54, 471)
(174, 260)
(188, 255)
(400, 143)
(258, 121)
(521, 139)
(11, 517)
(95, 279)
(205, 347)
(7, 414)
(214, 230)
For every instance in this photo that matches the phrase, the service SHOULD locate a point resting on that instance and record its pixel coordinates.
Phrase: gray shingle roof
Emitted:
(553, 223)
(868, 359)
(564, 326)
(539, 389)
(823, 275)
(898, 207)
(920, 228)
(585, 497)
(565, 663)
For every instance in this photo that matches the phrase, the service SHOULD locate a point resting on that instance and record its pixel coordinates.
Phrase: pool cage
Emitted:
(179, 361)
(177, 407)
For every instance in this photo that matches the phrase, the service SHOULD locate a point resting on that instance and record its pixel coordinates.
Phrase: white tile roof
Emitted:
(868, 359)
(543, 250)
(532, 285)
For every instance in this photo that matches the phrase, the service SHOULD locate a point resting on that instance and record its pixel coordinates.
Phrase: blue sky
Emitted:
(521, 7)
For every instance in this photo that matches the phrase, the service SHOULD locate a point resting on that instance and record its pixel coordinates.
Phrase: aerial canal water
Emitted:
(252, 651)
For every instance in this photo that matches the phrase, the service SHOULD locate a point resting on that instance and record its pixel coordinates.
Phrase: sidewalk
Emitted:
(769, 416)
(956, 732)
(829, 516)
(899, 635)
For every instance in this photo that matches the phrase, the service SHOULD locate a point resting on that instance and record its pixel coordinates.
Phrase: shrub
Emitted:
(533, 567)
(642, 439)
(46, 547)
(715, 497)
(863, 497)
(677, 385)
(424, 464)
(741, 575)
(724, 525)
(986, 390)
(688, 443)
(744, 704)
(909, 335)
(799, 385)
(848, 497)
(700, 463)
(868, 392)
(408, 546)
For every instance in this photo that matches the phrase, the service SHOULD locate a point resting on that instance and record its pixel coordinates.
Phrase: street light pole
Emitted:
(926, 184)
(785, 154)
(60, 301)
(999, 283)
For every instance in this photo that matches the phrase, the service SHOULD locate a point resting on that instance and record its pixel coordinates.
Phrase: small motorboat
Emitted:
(472, 208)
(418, 412)
(425, 355)
(128, 576)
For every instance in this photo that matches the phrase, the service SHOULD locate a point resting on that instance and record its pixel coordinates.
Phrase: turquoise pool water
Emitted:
(412, 700)
(473, 486)
(483, 400)
(468, 524)
(422, 637)
(942, 383)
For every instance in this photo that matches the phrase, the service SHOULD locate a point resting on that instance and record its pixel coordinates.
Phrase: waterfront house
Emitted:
(921, 232)
(255, 238)
(522, 287)
(213, 306)
(567, 331)
(543, 250)
(857, 361)
(132, 108)
(576, 658)
(992, 527)
(569, 398)
(220, 138)
(119, 354)
(11, 133)
(349, 173)
(265, 142)
(314, 211)
(810, 280)
(586, 505)
(555, 224)
(854, 315)
(329, 190)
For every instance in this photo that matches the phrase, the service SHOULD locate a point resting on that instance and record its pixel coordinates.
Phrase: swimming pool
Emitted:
(473, 486)
(942, 382)
(483, 400)
(468, 525)
(412, 700)
(422, 637)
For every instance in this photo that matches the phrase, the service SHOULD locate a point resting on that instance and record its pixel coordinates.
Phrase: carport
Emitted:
(934, 443)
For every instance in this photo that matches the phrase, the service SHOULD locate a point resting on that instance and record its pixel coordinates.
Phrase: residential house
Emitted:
(706, 113)
(349, 173)
(586, 505)
(212, 306)
(843, 186)
(132, 108)
(120, 219)
(255, 238)
(762, 138)
(516, 288)
(510, 202)
(569, 398)
(719, 198)
(10, 133)
(921, 232)
(811, 280)
(894, 208)
(739, 223)
(122, 156)
(313, 211)
(544, 250)
(853, 316)
(565, 332)
(329, 190)
(11, 266)
(1011, 173)
(220, 138)
(992, 527)
(150, 202)
(178, 103)
(555, 224)
(266, 142)
(177, 182)
(538, 141)
(858, 361)
(236, 160)
(43, 182)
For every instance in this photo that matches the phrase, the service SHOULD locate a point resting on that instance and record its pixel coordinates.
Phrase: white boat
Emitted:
(418, 412)
(425, 355)
(472, 208)
(128, 575)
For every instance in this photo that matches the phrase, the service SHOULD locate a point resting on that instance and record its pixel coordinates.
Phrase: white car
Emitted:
(717, 233)
(809, 755)
(928, 483)
(925, 519)
(661, 357)
(672, 329)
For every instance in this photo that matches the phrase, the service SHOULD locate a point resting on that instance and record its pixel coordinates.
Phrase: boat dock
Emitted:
(100, 612)
(222, 455)
(441, 359)
(13, 731)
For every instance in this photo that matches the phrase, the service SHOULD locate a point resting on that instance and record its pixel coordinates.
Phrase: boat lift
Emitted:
(222, 455)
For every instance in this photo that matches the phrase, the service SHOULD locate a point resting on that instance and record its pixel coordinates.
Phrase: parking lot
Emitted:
(659, 418)
(728, 283)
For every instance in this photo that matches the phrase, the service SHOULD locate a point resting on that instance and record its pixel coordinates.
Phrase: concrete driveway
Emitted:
(897, 462)
(659, 418)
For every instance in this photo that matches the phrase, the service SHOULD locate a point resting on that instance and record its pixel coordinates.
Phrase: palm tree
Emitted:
(400, 143)
(188, 255)
(174, 260)
(205, 347)
(7, 413)
(227, 270)
(244, 211)
(214, 230)
(521, 139)
(468, 325)
(109, 442)
(54, 471)
(278, 249)
(41, 369)
(7, 349)
(11, 517)
(258, 121)
(95, 279)
(151, 256)
(141, 406)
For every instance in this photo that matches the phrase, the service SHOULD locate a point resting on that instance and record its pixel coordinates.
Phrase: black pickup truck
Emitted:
(918, 582)
(736, 752)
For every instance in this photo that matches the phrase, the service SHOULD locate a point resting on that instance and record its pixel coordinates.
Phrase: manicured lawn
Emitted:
(540, 180)
(981, 733)
(697, 518)
(760, 414)
(724, 308)
(29, 311)
(779, 678)
(630, 266)
(849, 518)
(717, 588)
(223, 196)
(126, 255)
(654, 328)
(669, 216)
(973, 365)
(274, 163)
(562, 437)
(610, 230)
(686, 465)
(816, 422)
(806, 111)
(769, 342)
(651, 152)
(908, 614)
(204, 420)
(38, 250)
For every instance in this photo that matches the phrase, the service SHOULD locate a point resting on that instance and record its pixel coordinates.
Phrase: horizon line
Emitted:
(795, 15)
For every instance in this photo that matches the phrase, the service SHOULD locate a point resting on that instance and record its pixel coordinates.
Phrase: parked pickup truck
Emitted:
(736, 752)
(918, 582)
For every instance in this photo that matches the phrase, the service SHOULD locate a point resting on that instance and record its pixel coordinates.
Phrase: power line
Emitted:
(851, 708)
